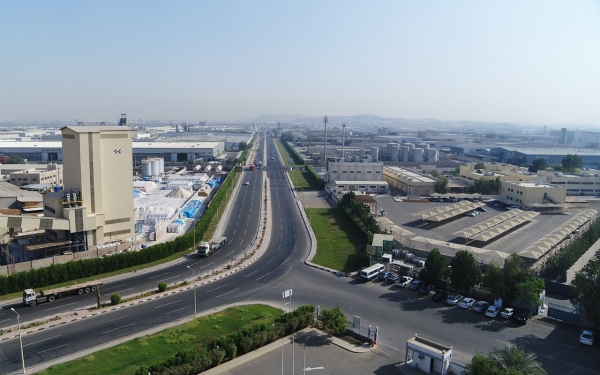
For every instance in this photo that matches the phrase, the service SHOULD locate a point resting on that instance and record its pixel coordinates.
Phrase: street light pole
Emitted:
(194, 289)
(20, 339)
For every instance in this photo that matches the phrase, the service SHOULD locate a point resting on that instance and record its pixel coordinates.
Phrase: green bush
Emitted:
(115, 299)
(162, 286)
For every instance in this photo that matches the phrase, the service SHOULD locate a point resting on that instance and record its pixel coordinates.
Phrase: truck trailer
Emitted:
(31, 298)
(207, 248)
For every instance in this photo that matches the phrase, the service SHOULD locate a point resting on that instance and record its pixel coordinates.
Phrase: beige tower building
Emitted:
(97, 198)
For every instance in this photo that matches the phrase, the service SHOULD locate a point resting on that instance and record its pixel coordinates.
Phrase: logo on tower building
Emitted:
(117, 151)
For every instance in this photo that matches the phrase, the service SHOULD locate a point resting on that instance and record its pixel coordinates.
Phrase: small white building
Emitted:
(354, 168)
(339, 188)
(428, 356)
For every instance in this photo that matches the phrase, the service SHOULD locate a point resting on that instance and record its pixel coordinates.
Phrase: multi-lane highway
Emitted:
(399, 314)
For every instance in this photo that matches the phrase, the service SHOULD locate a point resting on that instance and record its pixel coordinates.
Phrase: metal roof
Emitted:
(496, 225)
(446, 212)
(97, 129)
(135, 145)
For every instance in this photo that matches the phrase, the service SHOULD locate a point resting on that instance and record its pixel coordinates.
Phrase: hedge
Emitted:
(60, 273)
(192, 361)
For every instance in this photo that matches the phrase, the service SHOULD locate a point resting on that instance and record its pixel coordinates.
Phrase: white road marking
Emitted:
(285, 260)
(35, 342)
(124, 290)
(251, 273)
(176, 310)
(114, 329)
(58, 307)
(193, 264)
(112, 320)
(170, 303)
(116, 286)
(5, 320)
(173, 277)
(227, 293)
(270, 259)
(263, 276)
(212, 290)
(232, 238)
(56, 347)
(162, 274)
(230, 253)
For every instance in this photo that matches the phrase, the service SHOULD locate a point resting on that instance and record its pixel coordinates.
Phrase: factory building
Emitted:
(354, 168)
(410, 182)
(576, 184)
(525, 156)
(97, 199)
(468, 173)
(51, 174)
(527, 193)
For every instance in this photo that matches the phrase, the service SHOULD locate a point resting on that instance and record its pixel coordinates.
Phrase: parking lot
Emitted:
(513, 240)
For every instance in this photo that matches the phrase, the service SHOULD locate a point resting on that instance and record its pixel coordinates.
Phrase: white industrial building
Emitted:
(354, 168)
(51, 174)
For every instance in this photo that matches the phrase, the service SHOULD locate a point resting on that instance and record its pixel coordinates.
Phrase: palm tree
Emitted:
(514, 358)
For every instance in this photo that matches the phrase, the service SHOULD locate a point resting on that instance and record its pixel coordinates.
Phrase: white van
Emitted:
(370, 273)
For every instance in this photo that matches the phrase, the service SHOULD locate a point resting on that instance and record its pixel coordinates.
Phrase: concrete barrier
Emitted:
(61, 259)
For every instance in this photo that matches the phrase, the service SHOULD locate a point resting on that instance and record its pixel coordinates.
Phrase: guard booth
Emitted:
(427, 356)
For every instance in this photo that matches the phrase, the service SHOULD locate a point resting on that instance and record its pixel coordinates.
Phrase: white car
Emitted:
(507, 313)
(587, 337)
(471, 213)
(467, 303)
(246, 183)
(404, 281)
(492, 311)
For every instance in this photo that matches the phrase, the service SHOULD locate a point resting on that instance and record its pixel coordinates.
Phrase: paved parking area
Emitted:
(515, 240)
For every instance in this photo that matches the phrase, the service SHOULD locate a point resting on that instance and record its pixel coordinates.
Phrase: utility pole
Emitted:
(343, 140)
(325, 120)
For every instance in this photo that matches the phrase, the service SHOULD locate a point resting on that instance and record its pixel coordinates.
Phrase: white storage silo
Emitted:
(389, 149)
(146, 168)
(218, 169)
(375, 153)
(432, 155)
(418, 154)
(424, 146)
(405, 153)
(395, 152)
(197, 168)
(207, 168)
(161, 163)
(155, 167)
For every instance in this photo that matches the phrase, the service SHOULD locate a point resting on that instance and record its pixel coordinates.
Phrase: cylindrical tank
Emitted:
(218, 169)
(207, 168)
(197, 168)
(389, 147)
(432, 155)
(375, 153)
(146, 168)
(424, 146)
(395, 152)
(161, 163)
(405, 153)
(418, 154)
(155, 165)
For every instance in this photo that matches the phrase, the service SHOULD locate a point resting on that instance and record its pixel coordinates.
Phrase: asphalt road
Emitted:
(399, 314)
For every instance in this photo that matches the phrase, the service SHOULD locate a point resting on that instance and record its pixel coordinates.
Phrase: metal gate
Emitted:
(563, 313)
(367, 333)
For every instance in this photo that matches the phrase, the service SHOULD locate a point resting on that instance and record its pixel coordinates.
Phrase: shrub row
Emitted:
(192, 361)
(60, 273)
(559, 262)
(297, 158)
(319, 182)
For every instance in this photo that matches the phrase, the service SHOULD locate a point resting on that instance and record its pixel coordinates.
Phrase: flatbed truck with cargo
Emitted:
(49, 295)
(207, 248)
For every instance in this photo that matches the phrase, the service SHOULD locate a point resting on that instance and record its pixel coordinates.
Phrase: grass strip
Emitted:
(126, 358)
(339, 246)
(285, 155)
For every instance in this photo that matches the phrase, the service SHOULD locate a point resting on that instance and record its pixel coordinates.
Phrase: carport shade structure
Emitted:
(496, 226)
(446, 212)
(49, 248)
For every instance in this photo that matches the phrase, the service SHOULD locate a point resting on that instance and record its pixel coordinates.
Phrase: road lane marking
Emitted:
(263, 276)
(232, 238)
(5, 320)
(212, 290)
(285, 260)
(112, 320)
(56, 347)
(162, 274)
(241, 242)
(170, 303)
(168, 278)
(230, 253)
(227, 293)
(251, 273)
(270, 259)
(124, 290)
(58, 307)
(116, 286)
(193, 264)
(35, 342)
(115, 329)
(176, 310)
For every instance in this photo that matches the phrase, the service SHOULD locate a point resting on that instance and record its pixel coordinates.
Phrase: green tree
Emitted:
(334, 319)
(493, 280)
(480, 165)
(571, 162)
(287, 137)
(16, 160)
(115, 299)
(465, 273)
(556, 167)
(514, 358)
(436, 268)
(435, 173)
(162, 286)
(513, 274)
(586, 293)
(539, 164)
(242, 146)
(528, 292)
(441, 186)
(483, 365)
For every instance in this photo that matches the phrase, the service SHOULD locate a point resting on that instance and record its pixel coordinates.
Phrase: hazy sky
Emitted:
(516, 61)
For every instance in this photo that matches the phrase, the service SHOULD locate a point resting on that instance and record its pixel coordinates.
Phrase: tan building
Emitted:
(52, 174)
(359, 169)
(98, 187)
(579, 184)
(525, 193)
(469, 174)
(410, 182)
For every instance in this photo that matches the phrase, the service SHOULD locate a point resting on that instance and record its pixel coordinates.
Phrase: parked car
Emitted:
(404, 281)
(512, 208)
(246, 183)
(480, 306)
(425, 289)
(454, 299)
(482, 209)
(522, 316)
(440, 295)
(470, 213)
(492, 311)
(415, 284)
(507, 312)
(587, 337)
(383, 275)
(392, 277)
(467, 303)
(453, 199)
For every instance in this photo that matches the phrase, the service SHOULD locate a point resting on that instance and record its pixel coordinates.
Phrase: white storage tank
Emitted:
(218, 169)
(155, 164)
(395, 152)
(161, 163)
(197, 168)
(404, 153)
(418, 154)
(375, 153)
(432, 155)
(207, 168)
(146, 168)
(424, 146)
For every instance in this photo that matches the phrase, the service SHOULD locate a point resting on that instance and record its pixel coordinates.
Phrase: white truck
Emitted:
(207, 248)
(31, 298)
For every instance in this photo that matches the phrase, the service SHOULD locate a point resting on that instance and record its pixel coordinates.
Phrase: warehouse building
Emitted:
(527, 193)
(408, 181)
(49, 174)
(525, 156)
